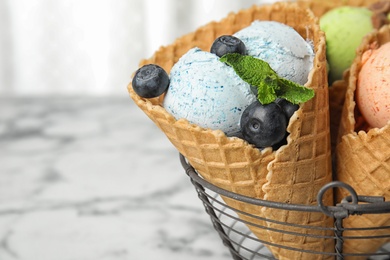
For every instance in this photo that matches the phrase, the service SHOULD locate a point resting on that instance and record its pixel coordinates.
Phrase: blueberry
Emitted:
(281, 143)
(264, 125)
(288, 107)
(150, 81)
(227, 44)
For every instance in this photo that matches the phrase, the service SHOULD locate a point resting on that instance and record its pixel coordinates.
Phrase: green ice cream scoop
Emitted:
(344, 28)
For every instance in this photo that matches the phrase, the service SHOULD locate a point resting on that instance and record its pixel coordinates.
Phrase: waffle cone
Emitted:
(363, 157)
(292, 174)
(320, 7)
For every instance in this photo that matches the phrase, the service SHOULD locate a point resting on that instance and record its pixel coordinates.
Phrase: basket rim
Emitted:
(348, 206)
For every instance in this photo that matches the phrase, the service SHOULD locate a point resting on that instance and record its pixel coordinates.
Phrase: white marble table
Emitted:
(94, 179)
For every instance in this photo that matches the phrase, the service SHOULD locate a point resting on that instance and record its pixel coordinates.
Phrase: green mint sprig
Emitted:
(269, 85)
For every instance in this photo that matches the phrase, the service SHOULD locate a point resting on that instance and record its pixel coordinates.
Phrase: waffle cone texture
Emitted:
(320, 7)
(363, 158)
(292, 174)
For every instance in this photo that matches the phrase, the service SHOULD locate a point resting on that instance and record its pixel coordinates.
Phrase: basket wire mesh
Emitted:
(244, 245)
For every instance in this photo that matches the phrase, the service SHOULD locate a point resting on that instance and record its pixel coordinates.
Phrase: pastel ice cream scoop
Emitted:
(373, 86)
(344, 28)
(283, 48)
(207, 92)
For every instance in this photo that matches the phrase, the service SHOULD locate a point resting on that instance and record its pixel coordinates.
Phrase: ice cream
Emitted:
(373, 88)
(344, 28)
(281, 46)
(207, 92)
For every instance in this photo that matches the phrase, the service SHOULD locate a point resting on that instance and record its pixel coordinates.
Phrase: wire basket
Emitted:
(243, 244)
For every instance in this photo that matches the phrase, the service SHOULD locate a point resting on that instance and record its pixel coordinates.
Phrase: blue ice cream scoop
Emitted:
(207, 92)
(287, 53)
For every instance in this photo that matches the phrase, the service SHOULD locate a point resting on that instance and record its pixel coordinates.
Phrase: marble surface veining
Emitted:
(93, 178)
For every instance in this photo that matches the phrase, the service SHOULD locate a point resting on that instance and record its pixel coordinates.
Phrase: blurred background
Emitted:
(79, 162)
(91, 47)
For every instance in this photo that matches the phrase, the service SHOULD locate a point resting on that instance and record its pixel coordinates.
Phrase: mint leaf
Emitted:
(265, 94)
(255, 72)
(269, 85)
(294, 92)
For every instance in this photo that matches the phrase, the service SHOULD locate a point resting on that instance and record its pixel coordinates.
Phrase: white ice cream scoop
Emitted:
(287, 53)
(207, 92)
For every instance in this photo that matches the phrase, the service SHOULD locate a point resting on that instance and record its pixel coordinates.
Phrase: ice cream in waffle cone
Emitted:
(337, 89)
(292, 174)
(363, 158)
